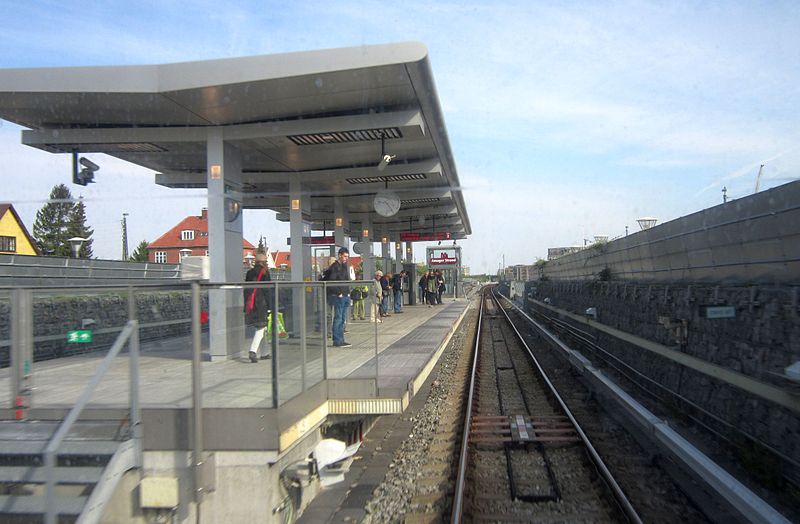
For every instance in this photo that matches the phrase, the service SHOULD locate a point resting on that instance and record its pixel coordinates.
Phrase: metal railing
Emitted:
(129, 335)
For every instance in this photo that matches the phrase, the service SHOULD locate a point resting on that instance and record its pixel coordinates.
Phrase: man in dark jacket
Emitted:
(397, 289)
(257, 304)
(339, 295)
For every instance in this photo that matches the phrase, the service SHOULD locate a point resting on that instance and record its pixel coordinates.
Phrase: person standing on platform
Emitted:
(257, 305)
(431, 287)
(440, 287)
(422, 284)
(397, 287)
(386, 291)
(377, 295)
(339, 296)
(358, 295)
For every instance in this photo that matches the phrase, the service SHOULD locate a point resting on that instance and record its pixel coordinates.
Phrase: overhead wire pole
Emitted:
(124, 236)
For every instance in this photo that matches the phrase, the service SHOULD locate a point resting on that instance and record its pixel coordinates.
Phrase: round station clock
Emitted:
(386, 203)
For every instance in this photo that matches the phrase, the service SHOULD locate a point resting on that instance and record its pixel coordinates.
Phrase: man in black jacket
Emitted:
(339, 295)
(257, 304)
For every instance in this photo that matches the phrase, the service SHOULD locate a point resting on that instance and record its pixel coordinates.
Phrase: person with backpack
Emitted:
(358, 295)
(257, 305)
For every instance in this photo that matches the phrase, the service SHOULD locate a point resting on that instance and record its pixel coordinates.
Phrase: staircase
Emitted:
(89, 463)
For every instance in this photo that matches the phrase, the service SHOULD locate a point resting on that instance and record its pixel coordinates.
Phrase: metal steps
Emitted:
(81, 464)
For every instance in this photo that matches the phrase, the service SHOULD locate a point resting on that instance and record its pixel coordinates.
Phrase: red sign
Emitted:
(443, 256)
(314, 241)
(423, 237)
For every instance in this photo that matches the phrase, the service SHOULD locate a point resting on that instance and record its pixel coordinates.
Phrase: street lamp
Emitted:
(76, 243)
(248, 260)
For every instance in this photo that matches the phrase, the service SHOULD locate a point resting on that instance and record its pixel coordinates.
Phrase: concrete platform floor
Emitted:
(405, 343)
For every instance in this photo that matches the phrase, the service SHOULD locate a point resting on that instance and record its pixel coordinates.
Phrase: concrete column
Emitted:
(398, 254)
(339, 220)
(386, 252)
(224, 172)
(300, 252)
(409, 253)
(368, 260)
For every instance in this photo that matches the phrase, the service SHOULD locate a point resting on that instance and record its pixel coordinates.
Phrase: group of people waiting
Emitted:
(431, 287)
(343, 300)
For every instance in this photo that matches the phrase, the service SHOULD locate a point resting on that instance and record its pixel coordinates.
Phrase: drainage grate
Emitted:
(343, 137)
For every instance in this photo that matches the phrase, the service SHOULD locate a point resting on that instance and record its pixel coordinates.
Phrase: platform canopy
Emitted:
(317, 117)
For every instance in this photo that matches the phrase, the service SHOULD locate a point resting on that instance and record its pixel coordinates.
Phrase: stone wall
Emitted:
(54, 316)
(760, 342)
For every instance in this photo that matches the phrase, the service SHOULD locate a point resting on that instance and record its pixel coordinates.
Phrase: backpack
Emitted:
(356, 294)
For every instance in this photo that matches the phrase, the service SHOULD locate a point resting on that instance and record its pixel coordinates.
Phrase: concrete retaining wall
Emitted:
(754, 239)
(760, 342)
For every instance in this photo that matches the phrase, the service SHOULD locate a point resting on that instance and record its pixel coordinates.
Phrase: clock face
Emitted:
(386, 203)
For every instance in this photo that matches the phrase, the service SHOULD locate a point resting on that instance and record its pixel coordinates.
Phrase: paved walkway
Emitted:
(405, 344)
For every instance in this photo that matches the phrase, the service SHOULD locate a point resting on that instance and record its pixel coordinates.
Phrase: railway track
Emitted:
(500, 475)
(523, 455)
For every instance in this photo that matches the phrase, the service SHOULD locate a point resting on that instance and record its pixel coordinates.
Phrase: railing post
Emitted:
(303, 326)
(324, 330)
(21, 350)
(373, 308)
(197, 398)
(133, 353)
(275, 366)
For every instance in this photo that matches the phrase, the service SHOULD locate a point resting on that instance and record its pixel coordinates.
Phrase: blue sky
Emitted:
(566, 119)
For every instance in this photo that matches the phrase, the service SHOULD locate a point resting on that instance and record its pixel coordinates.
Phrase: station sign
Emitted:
(424, 237)
(713, 312)
(443, 256)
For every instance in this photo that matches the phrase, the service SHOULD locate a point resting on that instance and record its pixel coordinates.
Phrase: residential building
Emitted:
(14, 237)
(188, 238)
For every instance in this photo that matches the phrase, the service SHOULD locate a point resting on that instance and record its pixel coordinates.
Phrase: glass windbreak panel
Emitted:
(355, 358)
(73, 331)
(237, 356)
(291, 354)
(165, 322)
(314, 349)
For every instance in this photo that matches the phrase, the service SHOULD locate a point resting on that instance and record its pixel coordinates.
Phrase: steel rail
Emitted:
(458, 494)
(619, 496)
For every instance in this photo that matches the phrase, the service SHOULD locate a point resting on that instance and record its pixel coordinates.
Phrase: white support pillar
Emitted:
(339, 220)
(386, 253)
(367, 259)
(224, 172)
(398, 254)
(299, 252)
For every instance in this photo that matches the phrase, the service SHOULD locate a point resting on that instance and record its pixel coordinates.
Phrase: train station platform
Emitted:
(379, 374)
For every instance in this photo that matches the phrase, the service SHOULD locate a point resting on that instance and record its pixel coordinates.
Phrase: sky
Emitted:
(567, 120)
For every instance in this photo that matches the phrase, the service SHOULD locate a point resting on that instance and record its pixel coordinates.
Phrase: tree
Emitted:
(60, 219)
(51, 226)
(140, 253)
(77, 228)
(262, 247)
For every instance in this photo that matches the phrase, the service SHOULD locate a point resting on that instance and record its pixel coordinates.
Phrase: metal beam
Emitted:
(146, 135)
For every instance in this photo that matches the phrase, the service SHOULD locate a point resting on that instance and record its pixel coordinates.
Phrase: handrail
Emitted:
(63, 429)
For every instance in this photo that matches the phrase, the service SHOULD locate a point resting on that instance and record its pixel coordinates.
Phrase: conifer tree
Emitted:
(51, 226)
(262, 248)
(140, 253)
(77, 227)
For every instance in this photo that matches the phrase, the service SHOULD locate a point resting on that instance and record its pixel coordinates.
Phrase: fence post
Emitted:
(21, 350)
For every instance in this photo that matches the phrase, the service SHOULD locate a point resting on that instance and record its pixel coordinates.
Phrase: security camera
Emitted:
(385, 160)
(88, 164)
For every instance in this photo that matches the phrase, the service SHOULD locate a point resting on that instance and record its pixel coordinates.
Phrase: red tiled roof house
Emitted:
(188, 238)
